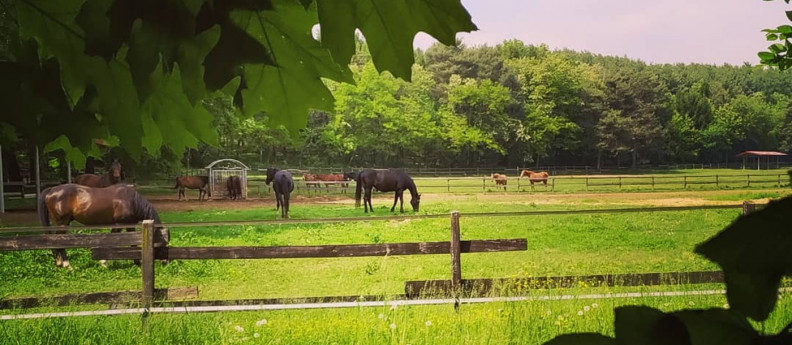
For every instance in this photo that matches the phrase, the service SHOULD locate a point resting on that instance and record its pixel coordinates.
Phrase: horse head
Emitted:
(270, 175)
(415, 201)
(350, 175)
(116, 174)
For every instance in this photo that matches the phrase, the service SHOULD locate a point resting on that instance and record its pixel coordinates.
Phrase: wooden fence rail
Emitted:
(155, 246)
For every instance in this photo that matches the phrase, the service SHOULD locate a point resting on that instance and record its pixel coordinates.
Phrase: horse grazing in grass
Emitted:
(200, 183)
(386, 180)
(234, 186)
(540, 176)
(117, 204)
(283, 185)
(111, 177)
(500, 180)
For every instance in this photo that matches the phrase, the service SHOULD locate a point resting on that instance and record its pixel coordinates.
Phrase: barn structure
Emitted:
(763, 158)
(219, 172)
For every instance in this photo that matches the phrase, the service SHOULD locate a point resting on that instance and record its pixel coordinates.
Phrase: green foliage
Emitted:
(138, 70)
(778, 53)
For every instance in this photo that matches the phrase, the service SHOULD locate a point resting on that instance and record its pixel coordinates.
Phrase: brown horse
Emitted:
(117, 204)
(200, 183)
(500, 180)
(310, 180)
(334, 178)
(113, 176)
(234, 186)
(540, 176)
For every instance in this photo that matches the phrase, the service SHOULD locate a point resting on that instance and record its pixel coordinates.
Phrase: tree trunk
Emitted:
(599, 159)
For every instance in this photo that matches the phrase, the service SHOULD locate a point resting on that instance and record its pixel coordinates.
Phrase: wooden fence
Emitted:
(153, 245)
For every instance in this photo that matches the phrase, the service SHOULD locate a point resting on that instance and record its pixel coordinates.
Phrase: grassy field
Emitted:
(660, 180)
(557, 245)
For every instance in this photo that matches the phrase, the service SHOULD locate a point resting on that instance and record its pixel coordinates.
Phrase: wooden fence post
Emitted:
(779, 181)
(456, 265)
(653, 185)
(619, 182)
(749, 180)
(748, 207)
(147, 266)
(448, 184)
(552, 184)
(717, 185)
(587, 183)
(483, 184)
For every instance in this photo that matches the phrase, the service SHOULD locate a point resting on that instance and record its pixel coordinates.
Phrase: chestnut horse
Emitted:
(500, 180)
(335, 178)
(540, 176)
(234, 186)
(310, 180)
(117, 204)
(113, 176)
(200, 183)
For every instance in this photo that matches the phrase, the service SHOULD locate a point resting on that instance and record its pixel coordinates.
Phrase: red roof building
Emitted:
(758, 155)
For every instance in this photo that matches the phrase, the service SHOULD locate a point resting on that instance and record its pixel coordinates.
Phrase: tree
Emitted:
(778, 52)
(638, 116)
(137, 70)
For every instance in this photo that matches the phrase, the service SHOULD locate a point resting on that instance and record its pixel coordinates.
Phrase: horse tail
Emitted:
(358, 190)
(43, 212)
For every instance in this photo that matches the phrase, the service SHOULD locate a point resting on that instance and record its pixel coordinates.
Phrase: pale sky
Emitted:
(658, 31)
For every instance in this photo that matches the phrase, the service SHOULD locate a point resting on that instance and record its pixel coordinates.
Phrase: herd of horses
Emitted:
(105, 200)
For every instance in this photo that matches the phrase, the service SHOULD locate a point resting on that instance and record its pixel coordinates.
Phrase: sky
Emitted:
(659, 31)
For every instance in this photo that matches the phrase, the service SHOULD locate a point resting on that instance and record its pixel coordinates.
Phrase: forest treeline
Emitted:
(524, 105)
(512, 105)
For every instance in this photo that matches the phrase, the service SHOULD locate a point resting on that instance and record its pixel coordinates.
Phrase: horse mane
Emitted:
(145, 210)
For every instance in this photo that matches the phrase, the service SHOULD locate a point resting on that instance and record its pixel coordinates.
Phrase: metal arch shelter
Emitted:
(219, 172)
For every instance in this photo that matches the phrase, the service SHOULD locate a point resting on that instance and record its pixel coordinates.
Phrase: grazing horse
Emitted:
(540, 176)
(193, 182)
(113, 176)
(234, 186)
(386, 180)
(500, 180)
(283, 185)
(117, 204)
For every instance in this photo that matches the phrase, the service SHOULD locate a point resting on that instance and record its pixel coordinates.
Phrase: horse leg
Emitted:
(286, 205)
(401, 200)
(103, 263)
(395, 199)
(367, 201)
(61, 259)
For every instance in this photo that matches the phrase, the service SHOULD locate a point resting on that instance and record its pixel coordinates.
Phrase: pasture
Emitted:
(557, 245)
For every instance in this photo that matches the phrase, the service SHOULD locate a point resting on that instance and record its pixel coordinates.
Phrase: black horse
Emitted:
(283, 185)
(390, 180)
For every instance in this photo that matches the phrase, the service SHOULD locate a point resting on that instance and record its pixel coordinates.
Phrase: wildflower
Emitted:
(726, 306)
(261, 322)
(586, 308)
(256, 335)
(594, 305)
(392, 326)
(393, 307)
(239, 328)
(691, 303)
(381, 316)
(428, 323)
(558, 323)
(580, 313)
(560, 317)
(549, 312)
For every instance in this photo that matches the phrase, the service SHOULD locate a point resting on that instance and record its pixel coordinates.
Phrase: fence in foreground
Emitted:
(154, 245)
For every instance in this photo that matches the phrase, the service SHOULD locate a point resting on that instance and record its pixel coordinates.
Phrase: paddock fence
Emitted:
(153, 244)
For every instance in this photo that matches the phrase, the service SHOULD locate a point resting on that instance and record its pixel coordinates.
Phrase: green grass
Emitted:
(557, 245)
(530, 322)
